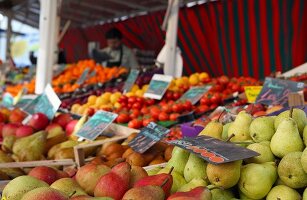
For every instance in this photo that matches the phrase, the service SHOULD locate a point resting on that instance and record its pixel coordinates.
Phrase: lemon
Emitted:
(203, 76)
(74, 108)
(114, 97)
(139, 93)
(91, 99)
(134, 88)
(130, 94)
(101, 101)
(145, 87)
(194, 79)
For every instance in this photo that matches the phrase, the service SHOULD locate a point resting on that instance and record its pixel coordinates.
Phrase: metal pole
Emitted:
(8, 35)
(48, 38)
(171, 38)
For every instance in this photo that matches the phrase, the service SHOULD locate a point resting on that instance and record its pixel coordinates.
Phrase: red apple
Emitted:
(9, 129)
(43, 173)
(63, 119)
(17, 116)
(2, 117)
(70, 127)
(24, 131)
(39, 121)
(1, 127)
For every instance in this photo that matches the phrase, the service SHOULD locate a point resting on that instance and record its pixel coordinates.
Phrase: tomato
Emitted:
(166, 108)
(205, 101)
(187, 106)
(213, 106)
(147, 121)
(149, 102)
(136, 105)
(176, 95)
(129, 105)
(176, 108)
(123, 118)
(135, 123)
(168, 95)
(140, 100)
(123, 99)
(216, 99)
(202, 108)
(163, 116)
(135, 114)
(173, 116)
(145, 110)
(131, 100)
(235, 87)
(155, 111)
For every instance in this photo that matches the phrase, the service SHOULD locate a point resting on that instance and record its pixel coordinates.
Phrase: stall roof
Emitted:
(87, 12)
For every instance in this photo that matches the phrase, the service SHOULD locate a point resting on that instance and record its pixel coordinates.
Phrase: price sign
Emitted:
(213, 150)
(148, 136)
(276, 91)
(96, 125)
(194, 94)
(83, 76)
(131, 80)
(158, 86)
(7, 100)
(47, 103)
(252, 93)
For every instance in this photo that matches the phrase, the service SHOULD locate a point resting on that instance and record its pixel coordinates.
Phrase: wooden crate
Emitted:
(117, 133)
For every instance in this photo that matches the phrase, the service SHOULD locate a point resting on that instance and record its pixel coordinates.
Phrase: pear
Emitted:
(298, 115)
(153, 171)
(283, 192)
(195, 168)
(151, 192)
(224, 175)
(31, 147)
(244, 197)
(8, 142)
(262, 129)
(195, 182)
(286, 138)
(178, 179)
(240, 127)
(290, 170)
(11, 172)
(16, 188)
(68, 186)
(213, 129)
(257, 179)
(305, 135)
(225, 131)
(263, 148)
(221, 194)
(199, 193)
(44, 193)
(304, 160)
(305, 194)
(179, 159)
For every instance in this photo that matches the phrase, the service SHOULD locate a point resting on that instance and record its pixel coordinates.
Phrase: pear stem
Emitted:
(171, 170)
(72, 194)
(164, 182)
(291, 112)
(229, 138)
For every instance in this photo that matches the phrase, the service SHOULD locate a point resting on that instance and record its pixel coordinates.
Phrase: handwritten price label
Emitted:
(252, 93)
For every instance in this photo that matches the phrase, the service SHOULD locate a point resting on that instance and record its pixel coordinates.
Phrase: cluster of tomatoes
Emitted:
(141, 112)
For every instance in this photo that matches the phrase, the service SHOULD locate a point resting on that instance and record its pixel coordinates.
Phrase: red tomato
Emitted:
(149, 102)
(216, 98)
(136, 105)
(213, 106)
(155, 111)
(134, 114)
(147, 121)
(122, 118)
(169, 95)
(131, 100)
(123, 99)
(202, 108)
(173, 116)
(187, 106)
(163, 116)
(166, 108)
(177, 108)
(145, 110)
(135, 123)
(140, 100)
(205, 101)
(176, 95)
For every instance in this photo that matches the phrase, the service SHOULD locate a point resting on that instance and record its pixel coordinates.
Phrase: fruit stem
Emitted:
(229, 138)
(171, 170)
(291, 112)
(164, 182)
(72, 194)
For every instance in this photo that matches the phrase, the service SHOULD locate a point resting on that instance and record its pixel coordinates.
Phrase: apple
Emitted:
(17, 116)
(9, 129)
(63, 119)
(43, 173)
(39, 121)
(69, 129)
(24, 131)
(1, 127)
(2, 117)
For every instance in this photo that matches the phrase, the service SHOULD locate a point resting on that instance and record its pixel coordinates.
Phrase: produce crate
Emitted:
(116, 133)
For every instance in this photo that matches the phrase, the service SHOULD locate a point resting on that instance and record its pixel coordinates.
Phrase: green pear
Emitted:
(225, 131)
(290, 170)
(213, 129)
(194, 183)
(31, 147)
(262, 129)
(263, 148)
(178, 179)
(19, 186)
(284, 193)
(221, 194)
(195, 168)
(304, 160)
(298, 115)
(244, 197)
(153, 171)
(68, 186)
(179, 159)
(257, 179)
(224, 175)
(286, 138)
(240, 127)
(305, 194)
(305, 135)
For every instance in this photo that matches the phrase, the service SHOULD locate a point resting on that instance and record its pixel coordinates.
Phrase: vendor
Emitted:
(120, 54)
